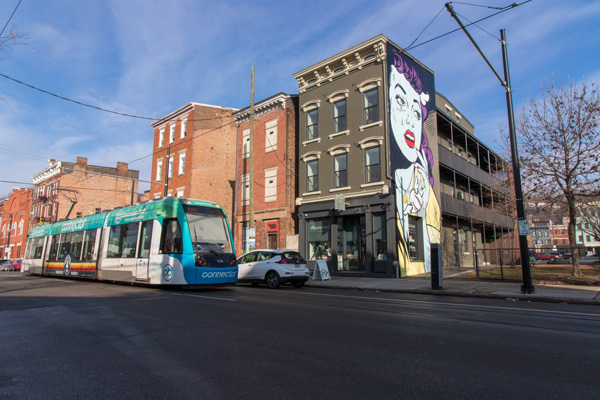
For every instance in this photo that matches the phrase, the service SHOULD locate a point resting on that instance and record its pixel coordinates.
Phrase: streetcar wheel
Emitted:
(273, 280)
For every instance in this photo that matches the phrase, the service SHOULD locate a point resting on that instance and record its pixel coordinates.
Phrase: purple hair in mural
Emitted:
(412, 76)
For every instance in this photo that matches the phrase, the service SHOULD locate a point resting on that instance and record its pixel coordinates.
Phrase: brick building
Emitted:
(194, 155)
(14, 224)
(275, 174)
(66, 190)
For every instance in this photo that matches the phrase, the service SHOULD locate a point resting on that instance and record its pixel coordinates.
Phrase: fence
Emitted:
(552, 267)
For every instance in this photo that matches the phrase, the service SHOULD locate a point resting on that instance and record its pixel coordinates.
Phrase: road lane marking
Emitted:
(429, 303)
(204, 297)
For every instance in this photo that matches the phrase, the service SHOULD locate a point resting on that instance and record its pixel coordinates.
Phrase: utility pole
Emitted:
(251, 175)
(167, 172)
(523, 226)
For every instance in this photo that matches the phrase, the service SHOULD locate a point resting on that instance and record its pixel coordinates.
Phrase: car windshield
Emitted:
(208, 230)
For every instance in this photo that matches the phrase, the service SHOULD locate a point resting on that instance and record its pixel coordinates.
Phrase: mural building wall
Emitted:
(413, 141)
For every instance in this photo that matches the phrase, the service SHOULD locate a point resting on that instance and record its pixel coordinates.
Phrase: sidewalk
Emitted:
(466, 288)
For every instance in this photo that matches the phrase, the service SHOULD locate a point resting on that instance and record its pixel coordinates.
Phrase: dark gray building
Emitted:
(379, 189)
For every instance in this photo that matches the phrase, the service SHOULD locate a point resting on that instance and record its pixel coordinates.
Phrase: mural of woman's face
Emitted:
(406, 115)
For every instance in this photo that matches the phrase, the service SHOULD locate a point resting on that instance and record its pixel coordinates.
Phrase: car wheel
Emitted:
(298, 284)
(273, 280)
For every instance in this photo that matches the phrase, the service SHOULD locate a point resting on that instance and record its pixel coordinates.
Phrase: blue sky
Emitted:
(150, 57)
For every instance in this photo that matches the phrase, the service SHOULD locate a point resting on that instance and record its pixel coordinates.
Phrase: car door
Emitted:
(263, 264)
(246, 265)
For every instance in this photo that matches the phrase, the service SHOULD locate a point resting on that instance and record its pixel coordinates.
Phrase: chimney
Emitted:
(82, 161)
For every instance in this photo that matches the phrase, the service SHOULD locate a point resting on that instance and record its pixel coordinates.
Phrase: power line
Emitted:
(75, 101)
(11, 15)
(507, 8)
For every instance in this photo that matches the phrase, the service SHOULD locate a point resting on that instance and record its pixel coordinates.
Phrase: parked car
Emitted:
(546, 256)
(273, 267)
(558, 254)
(11, 265)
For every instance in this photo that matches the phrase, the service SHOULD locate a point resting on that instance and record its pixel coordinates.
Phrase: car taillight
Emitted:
(284, 261)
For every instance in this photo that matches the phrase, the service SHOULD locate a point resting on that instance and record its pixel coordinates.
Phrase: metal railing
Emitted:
(504, 264)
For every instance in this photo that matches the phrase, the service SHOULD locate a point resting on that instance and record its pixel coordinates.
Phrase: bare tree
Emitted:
(11, 38)
(559, 142)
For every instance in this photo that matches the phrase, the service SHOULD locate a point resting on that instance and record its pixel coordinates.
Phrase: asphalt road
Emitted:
(63, 339)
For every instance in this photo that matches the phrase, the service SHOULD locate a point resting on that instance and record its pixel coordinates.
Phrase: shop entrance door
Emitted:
(351, 244)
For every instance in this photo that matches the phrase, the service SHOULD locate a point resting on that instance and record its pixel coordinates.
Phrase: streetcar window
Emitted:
(145, 237)
(89, 245)
(53, 248)
(34, 248)
(122, 240)
(208, 229)
(170, 241)
(70, 244)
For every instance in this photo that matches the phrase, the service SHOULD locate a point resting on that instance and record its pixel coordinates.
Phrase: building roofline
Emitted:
(185, 109)
(263, 104)
(381, 38)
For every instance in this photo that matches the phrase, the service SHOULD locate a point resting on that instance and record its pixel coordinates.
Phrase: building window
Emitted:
(182, 163)
(271, 136)
(339, 116)
(246, 143)
(183, 127)
(415, 238)
(312, 124)
(170, 169)
(245, 189)
(179, 192)
(340, 168)
(271, 185)
(172, 132)
(312, 176)
(380, 236)
(318, 237)
(371, 106)
(161, 137)
(372, 165)
(159, 165)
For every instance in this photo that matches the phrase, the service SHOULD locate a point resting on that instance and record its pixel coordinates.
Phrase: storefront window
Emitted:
(318, 233)
(380, 237)
(415, 235)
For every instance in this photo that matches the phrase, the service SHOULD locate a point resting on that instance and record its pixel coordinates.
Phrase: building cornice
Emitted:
(185, 110)
(50, 171)
(277, 102)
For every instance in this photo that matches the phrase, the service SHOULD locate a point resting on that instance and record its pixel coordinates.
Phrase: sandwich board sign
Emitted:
(321, 272)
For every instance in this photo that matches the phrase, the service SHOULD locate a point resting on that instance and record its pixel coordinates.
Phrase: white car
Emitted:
(273, 267)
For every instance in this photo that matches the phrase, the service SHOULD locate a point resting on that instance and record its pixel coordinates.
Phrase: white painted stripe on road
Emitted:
(429, 303)
(204, 297)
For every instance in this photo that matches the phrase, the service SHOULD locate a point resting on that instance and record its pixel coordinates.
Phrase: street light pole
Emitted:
(527, 286)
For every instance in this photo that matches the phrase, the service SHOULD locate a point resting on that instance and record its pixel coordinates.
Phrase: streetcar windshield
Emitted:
(208, 230)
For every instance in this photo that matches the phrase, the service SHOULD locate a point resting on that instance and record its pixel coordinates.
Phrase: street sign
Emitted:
(523, 227)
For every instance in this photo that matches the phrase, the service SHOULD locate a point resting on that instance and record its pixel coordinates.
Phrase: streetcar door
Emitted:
(143, 252)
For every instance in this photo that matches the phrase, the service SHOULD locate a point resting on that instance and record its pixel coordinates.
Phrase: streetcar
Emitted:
(169, 241)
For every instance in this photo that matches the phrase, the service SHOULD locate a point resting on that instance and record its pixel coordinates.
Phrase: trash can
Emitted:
(436, 266)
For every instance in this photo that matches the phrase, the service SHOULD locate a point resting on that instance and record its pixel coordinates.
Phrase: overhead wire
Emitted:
(11, 15)
(410, 47)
